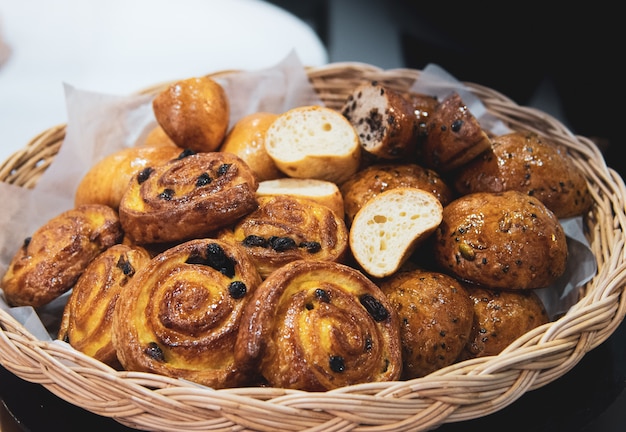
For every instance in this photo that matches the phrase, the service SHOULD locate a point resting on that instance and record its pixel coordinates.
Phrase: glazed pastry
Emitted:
(180, 314)
(378, 178)
(506, 240)
(454, 136)
(107, 180)
(194, 113)
(500, 317)
(87, 316)
(436, 316)
(526, 162)
(187, 198)
(246, 139)
(50, 261)
(316, 326)
(384, 120)
(287, 228)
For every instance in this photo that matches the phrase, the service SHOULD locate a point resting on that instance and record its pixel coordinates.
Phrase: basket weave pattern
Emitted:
(463, 391)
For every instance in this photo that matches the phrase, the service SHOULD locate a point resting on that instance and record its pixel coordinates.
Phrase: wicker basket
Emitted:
(463, 391)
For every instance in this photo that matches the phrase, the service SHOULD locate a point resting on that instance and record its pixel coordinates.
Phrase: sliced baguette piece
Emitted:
(314, 142)
(322, 191)
(390, 226)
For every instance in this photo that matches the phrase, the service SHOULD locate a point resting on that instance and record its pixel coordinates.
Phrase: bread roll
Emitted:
(107, 180)
(194, 113)
(500, 317)
(50, 261)
(526, 162)
(454, 137)
(377, 178)
(384, 120)
(187, 198)
(322, 191)
(436, 316)
(247, 140)
(390, 226)
(314, 142)
(317, 326)
(505, 240)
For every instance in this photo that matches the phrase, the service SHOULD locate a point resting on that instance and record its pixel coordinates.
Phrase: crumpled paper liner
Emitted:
(99, 124)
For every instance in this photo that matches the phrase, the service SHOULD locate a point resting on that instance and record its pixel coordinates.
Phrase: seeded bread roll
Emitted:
(500, 317)
(314, 142)
(436, 316)
(526, 162)
(390, 226)
(247, 140)
(384, 119)
(377, 178)
(321, 191)
(454, 137)
(505, 240)
(194, 113)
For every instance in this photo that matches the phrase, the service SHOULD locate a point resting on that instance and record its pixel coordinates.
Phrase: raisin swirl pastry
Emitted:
(50, 261)
(188, 197)
(319, 325)
(286, 228)
(180, 314)
(88, 313)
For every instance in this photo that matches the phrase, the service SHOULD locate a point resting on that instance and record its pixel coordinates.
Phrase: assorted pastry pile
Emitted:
(310, 249)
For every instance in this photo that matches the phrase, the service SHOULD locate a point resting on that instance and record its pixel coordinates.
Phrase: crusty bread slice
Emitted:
(390, 226)
(322, 191)
(314, 142)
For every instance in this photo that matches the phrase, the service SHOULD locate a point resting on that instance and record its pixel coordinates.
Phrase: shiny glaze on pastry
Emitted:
(180, 314)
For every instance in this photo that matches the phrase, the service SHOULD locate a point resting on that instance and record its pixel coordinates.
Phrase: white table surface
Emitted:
(122, 46)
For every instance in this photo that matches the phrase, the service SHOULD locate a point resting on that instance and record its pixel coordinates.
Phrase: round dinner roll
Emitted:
(390, 226)
(526, 162)
(505, 240)
(107, 180)
(194, 113)
(247, 140)
(314, 142)
(322, 191)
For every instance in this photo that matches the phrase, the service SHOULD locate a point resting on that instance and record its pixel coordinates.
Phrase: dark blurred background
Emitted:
(562, 59)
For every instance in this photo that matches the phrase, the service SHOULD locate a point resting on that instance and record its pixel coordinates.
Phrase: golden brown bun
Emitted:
(390, 226)
(87, 317)
(107, 180)
(286, 228)
(180, 314)
(314, 142)
(500, 317)
(186, 198)
(316, 326)
(436, 316)
(454, 137)
(50, 261)
(506, 240)
(384, 119)
(375, 179)
(194, 113)
(322, 191)
(247, 140)
(526, 162)
(158, 138)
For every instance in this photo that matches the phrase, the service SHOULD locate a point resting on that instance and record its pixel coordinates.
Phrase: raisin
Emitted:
(374, 307)
(214, 257)
(368, 343)
(26, 242)
(144, 174)
(185, 153)
(281, 244)
(456, 125)
(322, 295)
(167, 194)
(254, 240)
(337, 363)
(154, 352)
(124, 265)
(311, 246)
(203, 180)
(223, 169)
(237, 289)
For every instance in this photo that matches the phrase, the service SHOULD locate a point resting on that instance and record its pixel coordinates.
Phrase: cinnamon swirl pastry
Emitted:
(286, 228)
(86, 322)
(316, 326)
(187, 198)
(50, 261)
(180, 314)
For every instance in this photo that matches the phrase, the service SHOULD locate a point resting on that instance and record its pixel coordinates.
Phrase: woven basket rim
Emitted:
(462, 391)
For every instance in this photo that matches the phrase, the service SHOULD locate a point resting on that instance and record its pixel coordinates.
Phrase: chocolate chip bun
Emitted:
(505, 240)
